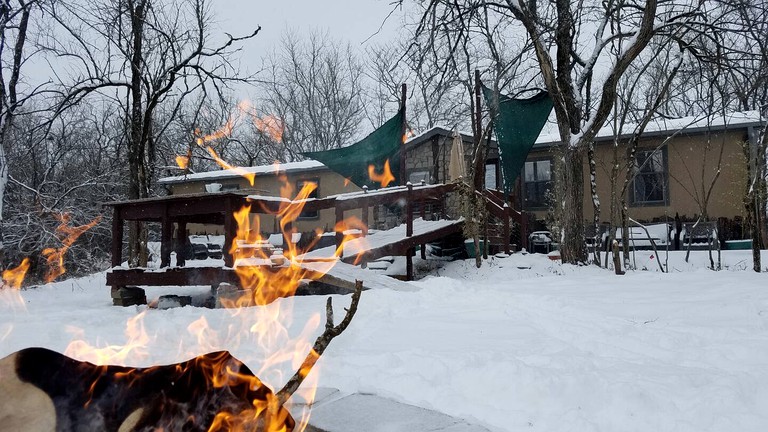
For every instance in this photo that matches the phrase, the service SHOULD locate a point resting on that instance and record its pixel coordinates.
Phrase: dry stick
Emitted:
(321, 343)
(653, 243)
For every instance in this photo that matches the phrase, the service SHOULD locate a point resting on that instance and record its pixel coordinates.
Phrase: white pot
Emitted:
(213, 187)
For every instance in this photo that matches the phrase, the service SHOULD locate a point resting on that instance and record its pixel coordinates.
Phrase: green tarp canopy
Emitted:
(518, 122)
(352, 162)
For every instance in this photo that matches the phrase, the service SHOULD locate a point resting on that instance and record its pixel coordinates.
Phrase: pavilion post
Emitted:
(230, 232)
(117, 237)
(166, 239)
(181, 243)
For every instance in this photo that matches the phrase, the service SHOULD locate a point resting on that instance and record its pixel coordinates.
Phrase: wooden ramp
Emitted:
(393, 241)
(343, 275)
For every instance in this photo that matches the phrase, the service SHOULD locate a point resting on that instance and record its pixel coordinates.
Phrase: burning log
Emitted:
(42, 390)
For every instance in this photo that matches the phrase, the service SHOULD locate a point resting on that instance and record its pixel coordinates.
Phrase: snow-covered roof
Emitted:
(693, 124)
(306, 165)
(436, 130)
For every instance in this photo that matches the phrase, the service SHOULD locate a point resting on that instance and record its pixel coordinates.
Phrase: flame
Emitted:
(67, 235)
(271, 126)
(268, 288)
(10, 286)
(182, 162)
(251, 177)
(135, 348)
(385, 178)
(12, 278)
(409, 133)
(218, 134)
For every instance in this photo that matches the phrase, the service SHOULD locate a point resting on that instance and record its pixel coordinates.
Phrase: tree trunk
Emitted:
(136, 147)
(595, 203)
(572, 247)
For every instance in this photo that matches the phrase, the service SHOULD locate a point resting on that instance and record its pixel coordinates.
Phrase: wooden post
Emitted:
(364, 217)
(117, 237)
(166, 238)
(506, 232)
(409, 263)
(409, 211)
(403, 179)
(181, 242)
(423, 214)
(524, 228)
(485, 246)
(338, 226)
(230, 232)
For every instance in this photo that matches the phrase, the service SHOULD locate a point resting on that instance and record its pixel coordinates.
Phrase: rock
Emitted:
(173, 301)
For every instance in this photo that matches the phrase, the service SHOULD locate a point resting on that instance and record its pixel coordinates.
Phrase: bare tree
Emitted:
(314, 89)
(15, 19)
(582, 36)
(142, 55)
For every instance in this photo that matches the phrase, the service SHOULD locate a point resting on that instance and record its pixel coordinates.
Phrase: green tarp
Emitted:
(517, 123)
(381, 145)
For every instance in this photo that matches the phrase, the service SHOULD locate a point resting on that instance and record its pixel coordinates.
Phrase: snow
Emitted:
(380, 239)
(523, 343)
(735, 119)
(240, 171)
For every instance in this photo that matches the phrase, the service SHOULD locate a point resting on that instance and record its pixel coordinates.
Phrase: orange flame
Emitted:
(410, 133)
(271, 126)
(218, 134)
(385, 178)
(134, 349)
(13, 278)
(182, 162)
(10, 286)
(67, 235)
(238, 170)
(268, 288)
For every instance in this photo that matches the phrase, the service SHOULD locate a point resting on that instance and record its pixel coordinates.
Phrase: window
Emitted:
(416, 177)
(649, 187)
(230, 187)
(491, 175)
(312, 214)
(537, 181)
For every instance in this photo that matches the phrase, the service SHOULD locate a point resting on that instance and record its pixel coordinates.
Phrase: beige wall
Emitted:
(330, 183)
(692, 164)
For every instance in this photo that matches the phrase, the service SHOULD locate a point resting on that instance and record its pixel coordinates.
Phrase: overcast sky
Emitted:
(354, 21)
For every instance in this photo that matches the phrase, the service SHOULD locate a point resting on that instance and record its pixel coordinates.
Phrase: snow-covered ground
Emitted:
(522, 344)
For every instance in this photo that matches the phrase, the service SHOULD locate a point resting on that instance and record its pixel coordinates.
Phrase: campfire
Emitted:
(96, 388)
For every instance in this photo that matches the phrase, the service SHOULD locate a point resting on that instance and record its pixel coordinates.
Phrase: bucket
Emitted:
(469, 245)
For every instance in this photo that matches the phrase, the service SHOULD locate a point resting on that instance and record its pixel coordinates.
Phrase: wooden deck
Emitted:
(176, 211)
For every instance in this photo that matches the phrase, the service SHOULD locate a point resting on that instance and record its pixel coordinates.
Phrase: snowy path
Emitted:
(547, 347)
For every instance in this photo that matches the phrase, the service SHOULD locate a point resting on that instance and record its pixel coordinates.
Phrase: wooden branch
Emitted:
(321, 343)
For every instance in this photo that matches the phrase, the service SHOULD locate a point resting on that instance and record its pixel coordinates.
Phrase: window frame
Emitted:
(524, 192)
(650, 151)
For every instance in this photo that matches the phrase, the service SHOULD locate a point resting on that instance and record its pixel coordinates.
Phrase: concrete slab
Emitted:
(333, 412)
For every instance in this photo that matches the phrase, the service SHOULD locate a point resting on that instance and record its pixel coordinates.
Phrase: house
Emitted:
(427, 157)
(267, 181)
(678, 164)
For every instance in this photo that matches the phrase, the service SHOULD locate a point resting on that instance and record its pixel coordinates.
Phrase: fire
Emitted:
(134, 349)
(182, 162)
(238, 170)
(67, 236)
(10, 286)
(385, 178)
(223, 132)
(271, 126)
(12, 278)
(410, 133)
